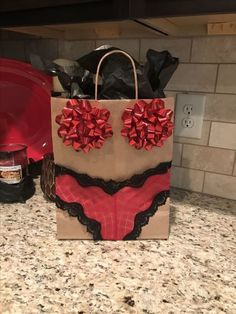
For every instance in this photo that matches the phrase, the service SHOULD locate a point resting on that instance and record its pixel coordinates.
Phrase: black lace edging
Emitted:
(111, 186)
(76, 210)
(142, 218)
(94, 227)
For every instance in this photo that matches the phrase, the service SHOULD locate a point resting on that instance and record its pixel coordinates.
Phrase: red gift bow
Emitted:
(147, 125)
(83, 126)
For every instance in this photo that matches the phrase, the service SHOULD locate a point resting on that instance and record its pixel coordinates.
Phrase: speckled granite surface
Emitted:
(192, 272)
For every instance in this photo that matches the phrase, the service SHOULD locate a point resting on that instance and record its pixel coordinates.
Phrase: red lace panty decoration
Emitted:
(147, 125)
(83, 126)
(114, 215)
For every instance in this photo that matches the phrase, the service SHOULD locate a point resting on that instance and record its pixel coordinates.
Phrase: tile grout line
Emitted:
(206, 63)
(208, 171)
(220, 121)
(191, 51)
(217, 74)
(139, 50)
(189, 190)
(198, 92)
(186, 143)
(58, 48)
(205, 145)
(181, 157)
(209, 135)
(94, 44)
(126, 38)
(205, 193)
(203, 181)
(234, 164)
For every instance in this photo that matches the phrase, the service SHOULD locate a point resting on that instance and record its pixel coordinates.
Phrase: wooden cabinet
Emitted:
(78, 19)
(46, 12)
(20, 5)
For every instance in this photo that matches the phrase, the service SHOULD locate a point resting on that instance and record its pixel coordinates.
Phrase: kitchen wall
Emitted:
(207, 66)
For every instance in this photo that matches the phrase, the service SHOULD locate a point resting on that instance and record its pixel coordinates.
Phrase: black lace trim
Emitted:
(76, 210)
(142, 218)
(111, 186)
(94, 227)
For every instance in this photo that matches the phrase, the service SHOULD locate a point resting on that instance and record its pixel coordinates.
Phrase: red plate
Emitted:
(25, 115)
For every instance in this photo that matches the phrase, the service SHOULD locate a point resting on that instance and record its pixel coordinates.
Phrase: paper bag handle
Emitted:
(134, 71)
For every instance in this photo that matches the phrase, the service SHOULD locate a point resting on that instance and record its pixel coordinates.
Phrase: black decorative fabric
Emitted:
(94, 227)
(142, 218)
(76, 210)
(111, 186)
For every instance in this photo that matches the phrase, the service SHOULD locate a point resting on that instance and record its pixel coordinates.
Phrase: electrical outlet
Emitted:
(189, 115)
(188, 109)
(188, 123)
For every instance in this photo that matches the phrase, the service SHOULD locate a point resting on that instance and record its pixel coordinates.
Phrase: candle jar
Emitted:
(13, 163)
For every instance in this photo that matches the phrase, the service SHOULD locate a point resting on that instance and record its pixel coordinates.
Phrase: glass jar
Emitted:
(13, 163)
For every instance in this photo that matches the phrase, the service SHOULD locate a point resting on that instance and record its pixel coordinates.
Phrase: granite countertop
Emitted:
(192, 272)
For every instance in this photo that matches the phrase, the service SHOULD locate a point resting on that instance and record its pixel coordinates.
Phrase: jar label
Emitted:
(11, 174)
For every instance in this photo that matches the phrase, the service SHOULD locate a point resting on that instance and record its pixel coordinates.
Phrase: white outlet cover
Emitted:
(197, 114)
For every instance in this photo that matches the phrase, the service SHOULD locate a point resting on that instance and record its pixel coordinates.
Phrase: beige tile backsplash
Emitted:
(47, 48)
(220, 185)
(187, 178)
(214, 49)
(223, 135)
(208, 66)
(74, 49)
(234, 172)
(177, 154)
(214, 154)
(226, 82)
(208, 159)
(8, 49)
(221, 107)
(178, 47)
(194, 78)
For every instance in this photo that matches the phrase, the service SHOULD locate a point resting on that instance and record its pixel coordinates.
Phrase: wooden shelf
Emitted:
(221, 24)
(214, 24)
(91, 19)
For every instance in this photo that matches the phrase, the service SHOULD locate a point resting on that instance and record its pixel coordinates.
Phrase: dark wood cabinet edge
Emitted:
(111, 10)
(16, 5)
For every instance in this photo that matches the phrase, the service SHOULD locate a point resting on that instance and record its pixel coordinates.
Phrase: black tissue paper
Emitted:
(116, 73)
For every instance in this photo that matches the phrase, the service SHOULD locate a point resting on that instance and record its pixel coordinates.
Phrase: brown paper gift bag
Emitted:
(117, 191)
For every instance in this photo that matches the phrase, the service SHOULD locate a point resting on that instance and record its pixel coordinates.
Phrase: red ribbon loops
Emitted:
(83, 126)
(147, 124)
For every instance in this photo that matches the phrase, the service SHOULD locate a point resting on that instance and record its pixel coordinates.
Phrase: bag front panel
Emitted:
(116, 160)
(80, 216)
